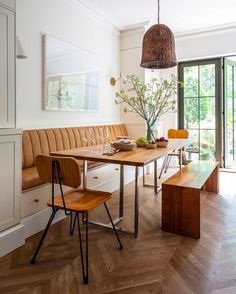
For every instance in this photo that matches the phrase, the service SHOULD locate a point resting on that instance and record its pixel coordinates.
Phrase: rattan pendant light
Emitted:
(158, 46)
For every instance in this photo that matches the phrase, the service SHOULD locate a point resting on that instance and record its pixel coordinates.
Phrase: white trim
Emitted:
(11, 239)
(138, 27)
(10, 132)
(92, 11)
(207, 31)
(36, 222)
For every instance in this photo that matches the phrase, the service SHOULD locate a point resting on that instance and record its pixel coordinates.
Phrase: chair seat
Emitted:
(79, 200)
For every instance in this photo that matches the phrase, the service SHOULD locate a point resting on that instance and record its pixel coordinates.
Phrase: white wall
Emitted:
(168, 120)
(213, 43)
(67, 21)
(130, 54)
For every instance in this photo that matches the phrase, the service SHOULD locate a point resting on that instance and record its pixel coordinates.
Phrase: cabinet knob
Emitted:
(95, 178)
(36, 200)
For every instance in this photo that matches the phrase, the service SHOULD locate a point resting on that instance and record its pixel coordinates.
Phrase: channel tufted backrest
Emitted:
(44, 141)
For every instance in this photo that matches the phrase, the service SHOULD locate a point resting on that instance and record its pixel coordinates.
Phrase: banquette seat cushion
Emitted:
(44, 141)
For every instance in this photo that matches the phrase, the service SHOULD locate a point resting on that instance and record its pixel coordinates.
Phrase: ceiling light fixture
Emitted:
(158, 46)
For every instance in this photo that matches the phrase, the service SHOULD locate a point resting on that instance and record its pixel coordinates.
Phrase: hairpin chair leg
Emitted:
(72, 223)
(84, 270)
(113, 226)
(43, 236)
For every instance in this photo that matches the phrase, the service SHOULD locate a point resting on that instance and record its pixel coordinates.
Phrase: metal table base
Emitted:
(157, 189)
(121, 201)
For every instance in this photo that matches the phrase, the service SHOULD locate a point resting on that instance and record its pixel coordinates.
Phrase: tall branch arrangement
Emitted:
(149, 100)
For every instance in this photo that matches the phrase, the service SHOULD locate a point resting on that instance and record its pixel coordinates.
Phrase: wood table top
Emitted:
(137, 157)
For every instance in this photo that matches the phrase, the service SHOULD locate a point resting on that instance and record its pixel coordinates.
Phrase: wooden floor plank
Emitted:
(155, 262)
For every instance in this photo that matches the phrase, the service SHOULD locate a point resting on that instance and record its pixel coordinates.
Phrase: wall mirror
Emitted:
(71, 77)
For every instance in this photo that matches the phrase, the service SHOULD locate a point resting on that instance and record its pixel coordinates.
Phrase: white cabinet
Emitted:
(10, 178)
(7, 67)
(9, 3)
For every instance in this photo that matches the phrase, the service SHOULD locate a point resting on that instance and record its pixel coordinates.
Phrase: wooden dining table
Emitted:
(137, 158)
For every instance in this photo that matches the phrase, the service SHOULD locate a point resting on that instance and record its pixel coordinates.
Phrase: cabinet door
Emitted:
(10, 180)
(10, 3)
(7, 68)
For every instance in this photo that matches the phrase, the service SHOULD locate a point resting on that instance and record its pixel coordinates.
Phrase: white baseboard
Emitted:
(37, 222)
(11, 239)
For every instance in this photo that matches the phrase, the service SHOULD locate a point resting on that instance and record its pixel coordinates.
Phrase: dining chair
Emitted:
(77, 202)
(173, 134)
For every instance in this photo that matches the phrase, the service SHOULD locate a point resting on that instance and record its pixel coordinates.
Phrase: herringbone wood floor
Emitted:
(156, 262)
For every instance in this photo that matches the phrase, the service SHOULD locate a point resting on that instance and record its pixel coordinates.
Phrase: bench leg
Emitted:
(212, 184)
(181, 210)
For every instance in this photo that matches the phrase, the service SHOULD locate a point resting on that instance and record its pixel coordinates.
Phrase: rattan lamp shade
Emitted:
(158, 48)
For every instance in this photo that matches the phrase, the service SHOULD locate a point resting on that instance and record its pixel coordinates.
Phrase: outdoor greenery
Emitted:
(149, 100)
(199, 108)
(73, 92)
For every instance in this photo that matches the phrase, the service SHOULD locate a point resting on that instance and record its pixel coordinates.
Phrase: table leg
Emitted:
(155, 177)
(121, 208)
(85, 169)
(144, 171)
(180, 159)
(155, 186)
(136, 203)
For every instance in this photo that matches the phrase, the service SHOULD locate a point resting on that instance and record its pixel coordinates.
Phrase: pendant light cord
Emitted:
(158, 11)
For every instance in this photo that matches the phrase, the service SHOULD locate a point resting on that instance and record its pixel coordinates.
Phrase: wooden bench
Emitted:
(181, 197)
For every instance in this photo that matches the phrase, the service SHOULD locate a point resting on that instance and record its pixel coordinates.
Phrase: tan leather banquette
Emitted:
(44, 141)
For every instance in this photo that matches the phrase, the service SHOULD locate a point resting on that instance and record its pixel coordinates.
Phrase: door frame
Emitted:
(219, 101)
(226, 61)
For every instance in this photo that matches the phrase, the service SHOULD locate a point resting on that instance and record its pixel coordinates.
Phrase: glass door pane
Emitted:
(198, 109)
(230, 111)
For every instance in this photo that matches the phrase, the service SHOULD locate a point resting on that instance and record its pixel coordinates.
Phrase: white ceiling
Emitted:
(179, 15)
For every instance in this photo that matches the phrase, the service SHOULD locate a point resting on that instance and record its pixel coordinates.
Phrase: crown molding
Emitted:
(91, 10)
(138, 27)
(229, 27)
(109, 22)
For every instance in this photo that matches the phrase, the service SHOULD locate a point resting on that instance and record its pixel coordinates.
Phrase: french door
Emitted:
(200, 107)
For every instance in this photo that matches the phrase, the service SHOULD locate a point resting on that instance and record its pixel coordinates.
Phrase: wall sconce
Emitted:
(113, 80)
(20, 54)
